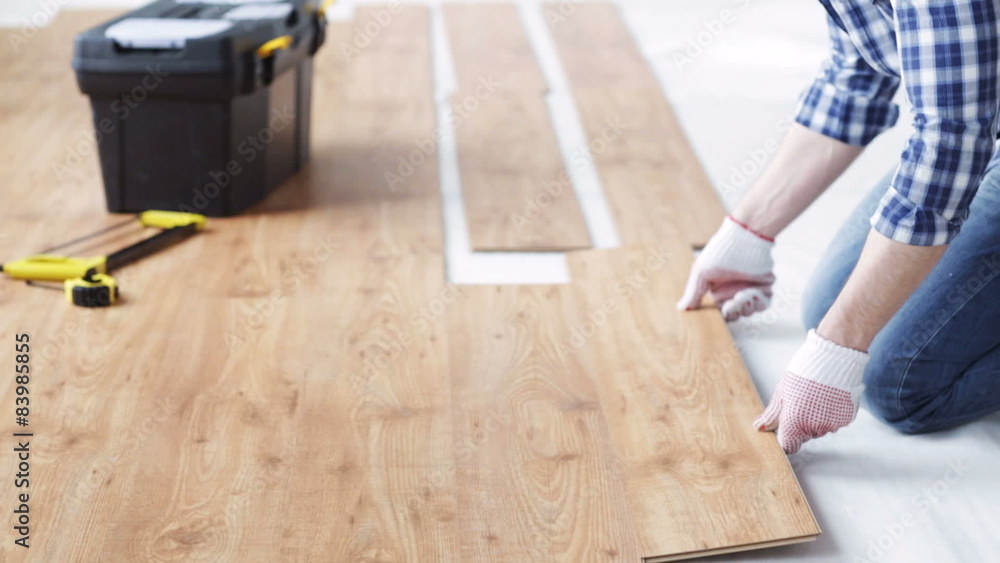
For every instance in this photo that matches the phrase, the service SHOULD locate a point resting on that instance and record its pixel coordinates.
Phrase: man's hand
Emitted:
(819, 393)
(735, 267)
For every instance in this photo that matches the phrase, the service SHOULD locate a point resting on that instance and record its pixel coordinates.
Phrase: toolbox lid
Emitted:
(260, 12)
(162, 33)
(210, 50)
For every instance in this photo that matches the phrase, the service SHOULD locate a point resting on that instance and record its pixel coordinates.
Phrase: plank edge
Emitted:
(732, 549)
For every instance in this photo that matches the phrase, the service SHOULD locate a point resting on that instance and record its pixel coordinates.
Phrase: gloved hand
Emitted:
(819, 393)
(735, 266)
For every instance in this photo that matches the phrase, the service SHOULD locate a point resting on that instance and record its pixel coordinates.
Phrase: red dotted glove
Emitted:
(818, 394)
(735, 266)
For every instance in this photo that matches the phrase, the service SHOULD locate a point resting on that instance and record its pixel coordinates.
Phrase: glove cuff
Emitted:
(829, 364)
(741, 249)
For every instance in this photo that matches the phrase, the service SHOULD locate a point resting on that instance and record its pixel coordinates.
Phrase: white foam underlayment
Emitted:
(733, 70)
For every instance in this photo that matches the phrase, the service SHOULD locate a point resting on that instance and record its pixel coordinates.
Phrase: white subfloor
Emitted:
(733, 78)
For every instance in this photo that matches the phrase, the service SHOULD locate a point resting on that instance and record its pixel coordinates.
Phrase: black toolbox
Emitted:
(200, 106)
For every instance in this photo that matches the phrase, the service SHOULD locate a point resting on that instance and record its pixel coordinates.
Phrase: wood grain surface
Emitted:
(515, 188)
(488, 38)
(301, 384)
(652, 178)
(680, 408)
(274, 389)
(536, 472)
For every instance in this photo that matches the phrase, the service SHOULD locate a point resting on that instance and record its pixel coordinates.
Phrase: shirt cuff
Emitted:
(845, 116)
(903, 220)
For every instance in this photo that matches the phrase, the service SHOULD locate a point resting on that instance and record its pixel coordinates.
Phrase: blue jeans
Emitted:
(937, 363)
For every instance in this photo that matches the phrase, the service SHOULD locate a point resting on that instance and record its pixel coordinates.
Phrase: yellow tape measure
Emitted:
(85, 281)
(93, 290)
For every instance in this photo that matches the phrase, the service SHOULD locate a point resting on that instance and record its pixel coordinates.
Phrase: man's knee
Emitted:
(888, 397)
(893, 415)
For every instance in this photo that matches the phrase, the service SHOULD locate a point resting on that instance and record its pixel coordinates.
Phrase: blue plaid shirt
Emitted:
(946, 54)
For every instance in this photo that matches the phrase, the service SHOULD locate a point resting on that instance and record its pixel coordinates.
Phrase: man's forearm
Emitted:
(803, 168)
(887, 273)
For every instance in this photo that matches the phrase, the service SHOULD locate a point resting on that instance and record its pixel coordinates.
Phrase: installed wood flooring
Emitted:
(301, 383)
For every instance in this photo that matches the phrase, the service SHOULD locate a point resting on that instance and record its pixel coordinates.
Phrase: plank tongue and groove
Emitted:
(680, 406)
(535, 469)
(515, 188)
(652, 179)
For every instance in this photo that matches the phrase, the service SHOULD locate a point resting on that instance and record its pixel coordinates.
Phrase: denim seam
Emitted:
(906, 370)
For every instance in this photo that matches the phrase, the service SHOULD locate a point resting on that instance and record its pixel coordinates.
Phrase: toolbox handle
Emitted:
(266, 55)
(269, 47)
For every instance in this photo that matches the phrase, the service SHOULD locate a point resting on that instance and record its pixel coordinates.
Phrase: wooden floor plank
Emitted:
(488, 43)
(535, 471)
(596, 46)
(515, 188)
(680, 408)
(652, 179)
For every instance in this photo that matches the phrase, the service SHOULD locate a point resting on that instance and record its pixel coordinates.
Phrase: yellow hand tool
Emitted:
(85, 280)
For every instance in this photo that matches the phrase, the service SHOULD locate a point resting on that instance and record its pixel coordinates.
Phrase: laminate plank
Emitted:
(680, 408)
(596, 45)
(652, 178)
(536, 476)
(488, 43)
(515, 188)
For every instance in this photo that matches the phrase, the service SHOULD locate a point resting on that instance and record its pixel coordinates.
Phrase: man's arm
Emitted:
(950, 54)
(803, 168)
(950, 71)
(887, 273)
(846, 107)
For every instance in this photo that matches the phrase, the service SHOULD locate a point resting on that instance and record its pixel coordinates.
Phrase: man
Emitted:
(903, 308)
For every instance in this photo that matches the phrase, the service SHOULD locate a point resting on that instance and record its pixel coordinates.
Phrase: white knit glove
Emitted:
(735, 267)
(819, 393)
